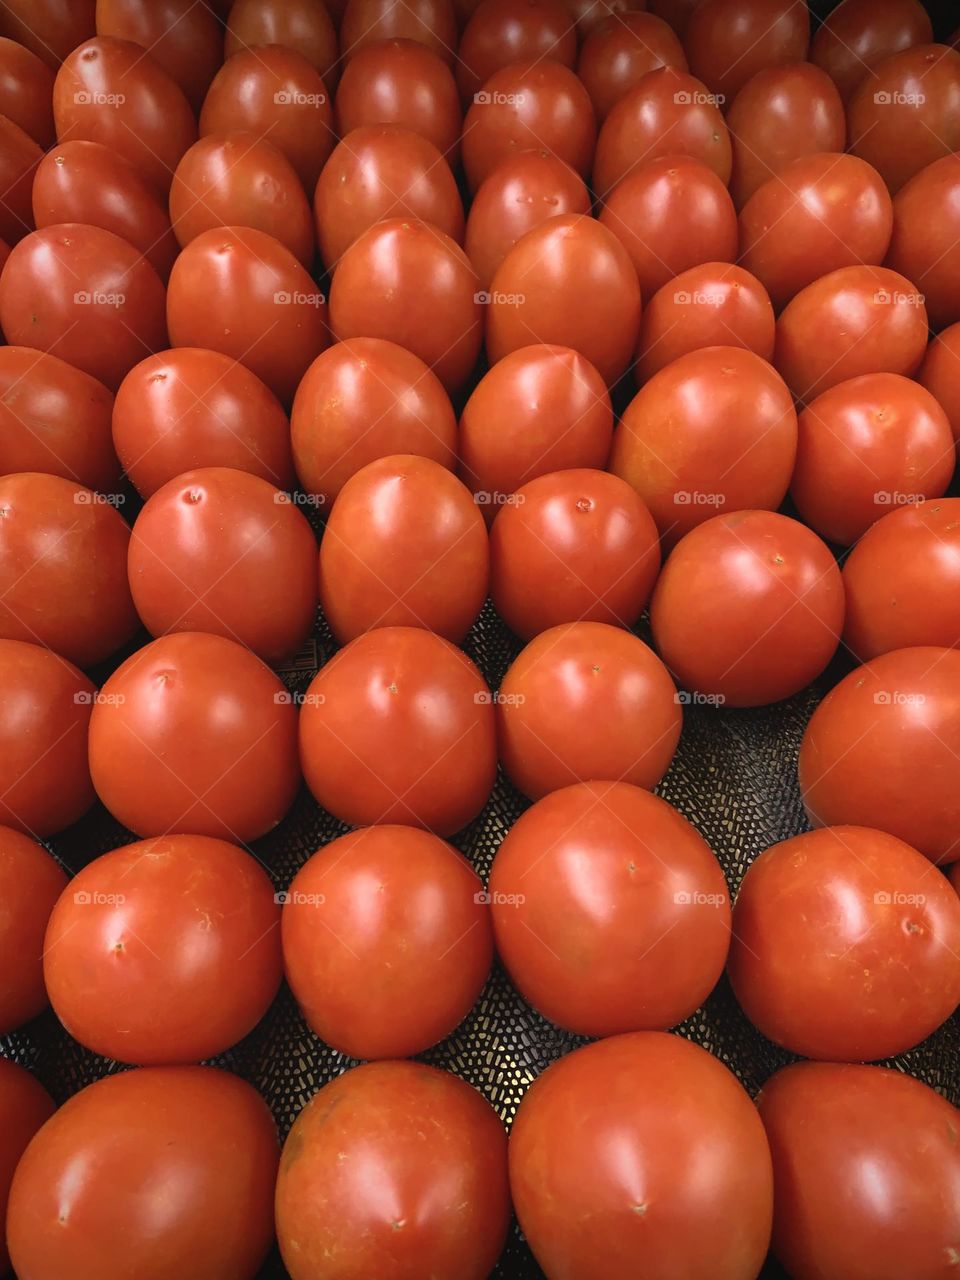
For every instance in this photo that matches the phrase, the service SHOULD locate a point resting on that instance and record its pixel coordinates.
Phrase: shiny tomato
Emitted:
(45, 705)
(201, 1142)
(26, 91)
(365, 399)
(193, 408)
(303, 26)
(19, 157)
(735, 448)
(50, 28)
(399, 727)
(194, 734)
(590, 13)
(882, 748)
(24, 1106)
(864, 446)
(439, 1205)
(387, 941)
(619, 52)
(601, 1154)
(431, 22)
(185, 38)
(728, 41)
(859, 33)
(501, 32)
(940, 374)
(63, 581)
(30, 884)
(926, 237)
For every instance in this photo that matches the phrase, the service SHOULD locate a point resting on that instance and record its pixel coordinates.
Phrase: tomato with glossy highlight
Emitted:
(26, 91)
(303, 26)
(620, 51)
(183, 37)
(926, 238)
(501, 32)
(728, 41)
(940, 374)
(859, 33)
(24, 1107)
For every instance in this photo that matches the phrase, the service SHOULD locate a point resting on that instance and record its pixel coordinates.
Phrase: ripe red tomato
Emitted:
(210, 542)
(304, 26)
(881, 750)
(63, 569)
(387, 941)
(365, 399)
(859, 33)
(50, 28)
(183, 37)
(24, 1106)
(404, 546)
(716, 428)
(439, 1205)
(500, 33)
(191, 408)
(399, 727)
(26, 91)
(406, 281)
(675, 12)
(586, 702)
(926, 233)
(19, 157)
(940, 374)
(570, 282)
(30, 884)
(196, 1141)
(620, 51)
(601, 1154)
(194, 734)
(431, 22)
(866, 1166)
(728, 41)
(866, 445)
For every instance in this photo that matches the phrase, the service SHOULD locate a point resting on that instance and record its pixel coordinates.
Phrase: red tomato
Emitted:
(24, 1106)
(675, 12)
(716, 428)
(853, 321)
(50, 28)
(382, 171)
(56, 419)
(882, 748)
(45, 705)
(303, 26)
(194, 734)
(241, 292)
(185, 38)
(196, 1141)
(586, 701)
(19, 157)
(387, 941)
(940, 374)
(85, 295)
(859, 33)
(501, 32)
(30, 884)
(865, 445)
(63, 569)
(431, 22)
(26, 91)
(439, 1204)
(708, 305)
(601, 1156)
(365, 399)
(926, 237)
(728, 41)
(406, 281)
(609, 911)
(569, 282)
(193, 408)
(211, 541)
(590, 13)
(619, 52)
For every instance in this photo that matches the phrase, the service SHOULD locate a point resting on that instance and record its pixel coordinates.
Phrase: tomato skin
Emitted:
(398, 727)
(189, 408)
(728, 41)
(89, 1182)
(675, 12)
(30, 882)
(26, 91)
(866, 1170)
(431, 22)
(24, 1106)
(859, 33)
(440, 1205)
(194, 734)
(500, 32)
(926, 228)
(586, 701)
(387, 941)
(881, 750)
(940, 374)
(620, 51)
(19, 157)
(864, 445)
(600, 1157)
(184, 38)
(303, 26)
(50, 28)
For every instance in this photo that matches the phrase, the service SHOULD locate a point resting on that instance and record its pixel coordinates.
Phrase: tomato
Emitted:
(728, 41)
(882, 748)
(706, 306)
(199, 1142)
(387, 941)
(864, 445)
(716, 428)
(571, 283)
(522, 192)
(208, 543)
(399, 727)
(401, 82)
(431, 22)
(109, 91)
(853, 321)
(365, 399)
(866, 1170)
(926, 232)
(382, 171)
(31, 883)
(240, 180)
(303, 26)
(19, 157)
(194, 734)
(859, 33)
(26, 91)
(671, 214)
(619, 52)
(500, 32)
(45, 705)
(63, 580)
(184, 38)
(404, 546)
(602, 1152)
(276, 94)
(241, 292)
(779, 116)
(540, 409)
(24, 1106)
(439, 1205)
(404, 280)
(940, 374)
(50, 28)
(192, 408)
(590, 13)
(675, 12)
(56, 419)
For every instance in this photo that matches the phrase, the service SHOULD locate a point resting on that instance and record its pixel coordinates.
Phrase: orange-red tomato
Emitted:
(26, 91)
(926, 237)
(728, 41)
(619, 52)
(501, 32)
(19, 157)
(859, 33)
(431, 22)
(185, 38)
(30, 882)
(50, 28)
(940, 374)
(303, 26)
(675, 12)
(24, 1106)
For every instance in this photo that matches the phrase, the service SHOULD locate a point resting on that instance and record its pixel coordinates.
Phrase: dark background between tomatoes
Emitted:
(734, 777)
